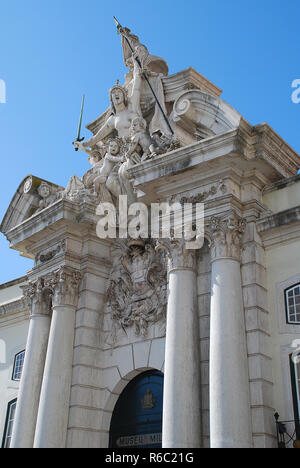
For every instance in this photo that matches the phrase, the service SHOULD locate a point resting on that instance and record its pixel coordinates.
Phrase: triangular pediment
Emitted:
(25, 202)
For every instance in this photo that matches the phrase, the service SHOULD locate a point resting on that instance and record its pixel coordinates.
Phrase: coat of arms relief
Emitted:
(137, 292)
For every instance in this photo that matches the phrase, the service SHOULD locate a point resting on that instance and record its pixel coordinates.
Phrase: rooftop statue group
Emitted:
(127, 137)
(133, 130)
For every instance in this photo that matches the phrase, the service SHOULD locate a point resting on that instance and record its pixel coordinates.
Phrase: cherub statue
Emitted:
(103, 179)
(141, 144)
(95, 158)
(108, 174)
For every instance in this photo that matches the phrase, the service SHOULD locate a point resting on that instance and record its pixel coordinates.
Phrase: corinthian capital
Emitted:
(64, 284)
(225, 235)
(38, 297)
(178, 254)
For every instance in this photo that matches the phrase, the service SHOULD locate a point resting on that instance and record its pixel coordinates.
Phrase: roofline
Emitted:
(14, 282)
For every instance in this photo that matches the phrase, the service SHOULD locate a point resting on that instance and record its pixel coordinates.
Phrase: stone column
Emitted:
(230, 417)
(181, 403)
(52, 422)
(32, 375)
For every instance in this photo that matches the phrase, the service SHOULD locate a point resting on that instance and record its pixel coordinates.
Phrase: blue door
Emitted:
(137, 417)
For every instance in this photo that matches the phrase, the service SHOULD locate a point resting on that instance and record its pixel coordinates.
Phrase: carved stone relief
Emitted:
(137, 292)
(225, 234)
(178, 254)
(64, 284)
(58, 288)
(49, 254)
(43, 194)
(48, 195)
(219, 189)
(38, 297)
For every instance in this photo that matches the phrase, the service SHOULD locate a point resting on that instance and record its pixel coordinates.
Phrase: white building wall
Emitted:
(13, 335)
(283, 271)
(12, 341)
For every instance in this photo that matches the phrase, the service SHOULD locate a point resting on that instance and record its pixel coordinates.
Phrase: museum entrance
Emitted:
(137, 417)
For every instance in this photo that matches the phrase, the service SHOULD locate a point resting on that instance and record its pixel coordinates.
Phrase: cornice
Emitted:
(14, 307)
(14, 282)
(280, 229)
(279, 220)
(45, 222)
(272, 148)
(281, 184)
(188, 79)
(187, 157)
(250, 149)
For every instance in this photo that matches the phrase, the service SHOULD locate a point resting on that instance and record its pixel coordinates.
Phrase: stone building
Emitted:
(133, 342)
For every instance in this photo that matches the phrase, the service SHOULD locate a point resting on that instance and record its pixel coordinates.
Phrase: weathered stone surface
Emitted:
(226, 348)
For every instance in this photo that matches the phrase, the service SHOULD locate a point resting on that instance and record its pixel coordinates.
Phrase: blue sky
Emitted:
(54, 51)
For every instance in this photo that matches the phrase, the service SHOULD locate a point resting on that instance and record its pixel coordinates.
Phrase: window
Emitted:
(292, 301)
(18, 366)
(11, 410)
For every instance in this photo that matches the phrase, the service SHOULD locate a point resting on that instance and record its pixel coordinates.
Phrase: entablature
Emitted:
(236, 149)
(52, 224)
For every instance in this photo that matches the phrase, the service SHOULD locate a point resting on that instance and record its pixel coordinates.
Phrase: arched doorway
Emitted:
(137, 417)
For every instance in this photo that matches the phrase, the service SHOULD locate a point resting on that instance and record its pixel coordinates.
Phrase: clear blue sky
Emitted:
(54, 51)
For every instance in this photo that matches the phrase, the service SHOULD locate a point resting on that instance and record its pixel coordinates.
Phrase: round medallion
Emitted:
(28, 185)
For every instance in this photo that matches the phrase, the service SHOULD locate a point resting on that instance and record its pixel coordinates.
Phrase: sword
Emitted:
(121, 31)
(80, 123)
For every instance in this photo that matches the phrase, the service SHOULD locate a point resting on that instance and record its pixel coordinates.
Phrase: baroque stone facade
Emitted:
(102, 311)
